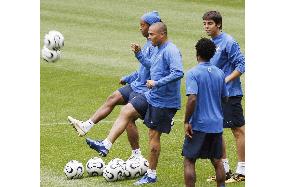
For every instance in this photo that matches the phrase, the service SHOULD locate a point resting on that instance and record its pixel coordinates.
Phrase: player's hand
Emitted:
(135, 47)
(122, 82)
(188, 130)
(227, 79)
(150, 84)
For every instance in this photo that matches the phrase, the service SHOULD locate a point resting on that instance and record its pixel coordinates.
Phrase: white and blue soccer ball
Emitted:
(50, 55)
(144, 165)
(95, 166)
(54, 40)
(74, 169)
(117, 161)
(132, 169)
(114, 171)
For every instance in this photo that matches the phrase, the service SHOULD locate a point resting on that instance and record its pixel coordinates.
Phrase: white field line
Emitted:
(103, 121)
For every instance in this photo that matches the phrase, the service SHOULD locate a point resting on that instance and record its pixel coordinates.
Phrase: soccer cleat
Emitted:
(145, 180)
(98, 146)
(213, 178)
(236, 178)
(77, 125)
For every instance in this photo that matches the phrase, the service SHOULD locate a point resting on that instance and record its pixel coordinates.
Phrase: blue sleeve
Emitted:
(143, 59)
(191, 84)
(130, 78)
(173, 59)
(236, 57)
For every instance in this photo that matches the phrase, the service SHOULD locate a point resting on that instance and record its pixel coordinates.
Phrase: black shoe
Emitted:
(213, 178)
(236, 178)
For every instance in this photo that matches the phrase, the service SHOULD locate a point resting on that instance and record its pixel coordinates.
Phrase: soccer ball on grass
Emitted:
(95, 166)
(74, 169)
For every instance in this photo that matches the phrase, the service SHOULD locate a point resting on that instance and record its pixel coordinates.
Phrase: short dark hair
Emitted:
(162, 27)
(205, 48)
(213, 15)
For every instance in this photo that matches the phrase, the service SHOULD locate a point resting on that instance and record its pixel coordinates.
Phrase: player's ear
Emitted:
(219, 25)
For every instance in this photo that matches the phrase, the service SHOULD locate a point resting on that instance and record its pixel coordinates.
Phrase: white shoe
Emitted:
(77, 125)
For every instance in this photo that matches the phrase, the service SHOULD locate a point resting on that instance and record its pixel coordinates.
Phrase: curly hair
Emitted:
(205, 48)
(213, 15)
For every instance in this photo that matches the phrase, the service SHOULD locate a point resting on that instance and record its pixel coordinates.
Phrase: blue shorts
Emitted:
(139, 102)
(127, 93)
(203, 145)
(233, 112)
(160, 119)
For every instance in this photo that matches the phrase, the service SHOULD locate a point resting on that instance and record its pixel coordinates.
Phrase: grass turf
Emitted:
(96, 54)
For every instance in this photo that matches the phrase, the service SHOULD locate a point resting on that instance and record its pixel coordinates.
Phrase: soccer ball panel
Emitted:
(58, 38)
(117, 161)
(95, 166)
(50, 55)
(113, 172)
(74, 169)
(132, 169)
(54, 40)
(144, 166)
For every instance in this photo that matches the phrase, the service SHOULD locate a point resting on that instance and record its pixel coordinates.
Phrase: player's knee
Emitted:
(127, 111)
(239, 133)
(217, 163)
(114, 98)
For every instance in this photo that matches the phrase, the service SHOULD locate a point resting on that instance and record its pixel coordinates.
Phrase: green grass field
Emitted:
(96, 54)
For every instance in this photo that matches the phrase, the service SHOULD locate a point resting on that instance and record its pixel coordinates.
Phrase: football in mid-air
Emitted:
(74, 169)
(50, 55)
(54, 40)
(95, 166)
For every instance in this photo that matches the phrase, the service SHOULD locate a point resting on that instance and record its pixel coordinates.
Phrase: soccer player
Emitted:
(136, 86)
(229, 58)
(158, 105)
(203, 122)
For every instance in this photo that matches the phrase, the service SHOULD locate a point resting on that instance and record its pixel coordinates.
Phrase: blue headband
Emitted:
(151, 17)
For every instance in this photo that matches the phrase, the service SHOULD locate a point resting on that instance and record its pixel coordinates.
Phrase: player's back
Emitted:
(210, 80)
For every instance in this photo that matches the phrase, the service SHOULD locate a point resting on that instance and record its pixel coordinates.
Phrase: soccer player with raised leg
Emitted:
(136, 86)
(229, 58)
(203, 122)
(157, 106)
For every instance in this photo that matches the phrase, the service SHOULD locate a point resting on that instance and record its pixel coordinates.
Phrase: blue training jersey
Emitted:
(137, 79)
(228, 57)
(208, 83)
(166, 70)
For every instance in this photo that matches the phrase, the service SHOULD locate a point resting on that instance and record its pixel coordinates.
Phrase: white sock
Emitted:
(241, 168)
(226, 165)
(107, 144)
(136, 152)
(152, 173)
(88, 125)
